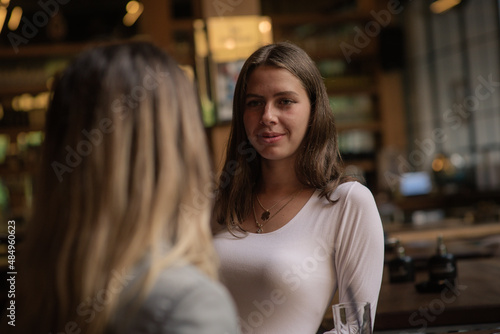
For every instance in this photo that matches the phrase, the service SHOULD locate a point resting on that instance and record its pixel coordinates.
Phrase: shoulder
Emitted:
(186, 285)
(353, 192)
(199, 304)
(183, 300)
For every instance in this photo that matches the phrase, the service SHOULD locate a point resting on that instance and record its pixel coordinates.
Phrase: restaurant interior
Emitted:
(414, 87)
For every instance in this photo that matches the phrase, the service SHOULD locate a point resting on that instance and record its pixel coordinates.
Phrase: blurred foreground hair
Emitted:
(124, 158)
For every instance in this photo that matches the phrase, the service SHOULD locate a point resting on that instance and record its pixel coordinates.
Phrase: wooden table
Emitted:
(475, 299)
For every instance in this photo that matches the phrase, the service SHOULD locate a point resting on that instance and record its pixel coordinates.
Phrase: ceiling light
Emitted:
(134, 10)
(441, 6)
(3, 15)
(15, 18)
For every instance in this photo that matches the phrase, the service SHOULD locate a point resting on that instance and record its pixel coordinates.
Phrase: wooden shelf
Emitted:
(50, 50)
(367, 165)
(15, 130)
(43, 50)
(4, 171)
(453, 232)
(366, 126)
(317, 18)
(369, 90)
(17, 90)
(437, 200)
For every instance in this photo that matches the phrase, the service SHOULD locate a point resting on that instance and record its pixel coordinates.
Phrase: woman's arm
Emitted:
(359, 249)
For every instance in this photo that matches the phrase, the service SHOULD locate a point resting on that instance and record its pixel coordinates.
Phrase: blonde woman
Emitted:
(117, 244)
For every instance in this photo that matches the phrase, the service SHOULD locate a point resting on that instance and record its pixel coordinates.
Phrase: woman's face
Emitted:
(276, 113)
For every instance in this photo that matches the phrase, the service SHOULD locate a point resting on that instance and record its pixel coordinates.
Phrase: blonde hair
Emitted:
(123, 163)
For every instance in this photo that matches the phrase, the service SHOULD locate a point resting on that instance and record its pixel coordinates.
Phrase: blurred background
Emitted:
(414, 86)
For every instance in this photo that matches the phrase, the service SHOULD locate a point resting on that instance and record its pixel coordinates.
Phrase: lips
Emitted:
(270, 137)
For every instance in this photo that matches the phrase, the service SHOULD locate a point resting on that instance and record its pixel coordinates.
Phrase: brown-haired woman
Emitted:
(290, 228)
(116, 243)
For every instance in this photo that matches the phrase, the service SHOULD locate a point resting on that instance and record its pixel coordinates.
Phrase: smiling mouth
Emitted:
(270, 138)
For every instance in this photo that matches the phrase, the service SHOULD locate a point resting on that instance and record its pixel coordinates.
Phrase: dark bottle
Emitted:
(442, 266)
(401, 268)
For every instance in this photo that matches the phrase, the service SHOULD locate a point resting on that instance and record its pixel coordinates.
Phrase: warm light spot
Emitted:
(134, 10)
(438, 164)
(198, 24)
(5, 2)
(132, 7)
(41, 101)
(441, 6)
(264, 26)
(15, 18)
(25, 102)
(15, 103)
(230, 44)
(3, 15)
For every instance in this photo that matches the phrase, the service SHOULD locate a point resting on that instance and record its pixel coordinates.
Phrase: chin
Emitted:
(276, 156)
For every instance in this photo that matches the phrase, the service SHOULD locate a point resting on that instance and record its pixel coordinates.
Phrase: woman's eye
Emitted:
(253, 103)
(287, 101)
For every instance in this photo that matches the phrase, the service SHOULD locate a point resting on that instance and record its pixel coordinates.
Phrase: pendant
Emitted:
(265, 215)
(259, 227)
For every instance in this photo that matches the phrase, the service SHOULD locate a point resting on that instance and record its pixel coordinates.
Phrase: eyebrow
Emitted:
(288, 92)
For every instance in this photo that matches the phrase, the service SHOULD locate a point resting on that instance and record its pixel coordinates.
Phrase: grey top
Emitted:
(182, 301)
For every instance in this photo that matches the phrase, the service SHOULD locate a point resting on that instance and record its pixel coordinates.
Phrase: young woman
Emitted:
(291, 230)
(116, 243)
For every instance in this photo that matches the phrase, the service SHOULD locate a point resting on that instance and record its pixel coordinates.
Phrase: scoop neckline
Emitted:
(290, 222)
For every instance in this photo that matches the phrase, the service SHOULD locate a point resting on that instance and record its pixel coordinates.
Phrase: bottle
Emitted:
(442, 265)
(401, 268)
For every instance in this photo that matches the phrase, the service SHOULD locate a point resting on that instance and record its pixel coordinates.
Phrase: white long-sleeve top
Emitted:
(283, 281)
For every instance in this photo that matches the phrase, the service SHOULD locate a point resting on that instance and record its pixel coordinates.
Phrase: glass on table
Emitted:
(351, 318)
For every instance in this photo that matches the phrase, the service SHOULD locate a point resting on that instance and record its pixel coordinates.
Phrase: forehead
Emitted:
(264, 78)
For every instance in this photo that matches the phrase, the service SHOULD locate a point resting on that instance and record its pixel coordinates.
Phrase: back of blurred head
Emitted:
(123, 164)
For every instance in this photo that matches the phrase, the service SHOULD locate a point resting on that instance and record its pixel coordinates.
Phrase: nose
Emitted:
(268, 115)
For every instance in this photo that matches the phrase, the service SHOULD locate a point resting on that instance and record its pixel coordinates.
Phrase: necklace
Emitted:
(267, 216)
(267, 212)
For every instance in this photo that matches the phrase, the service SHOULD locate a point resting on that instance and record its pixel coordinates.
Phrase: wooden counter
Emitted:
(452, 230)
(475, 299)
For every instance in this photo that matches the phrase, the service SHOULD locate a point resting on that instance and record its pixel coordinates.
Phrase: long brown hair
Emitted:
(318, 163)
(124, 157)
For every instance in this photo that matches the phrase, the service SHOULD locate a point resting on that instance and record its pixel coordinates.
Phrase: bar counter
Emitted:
(475, 298)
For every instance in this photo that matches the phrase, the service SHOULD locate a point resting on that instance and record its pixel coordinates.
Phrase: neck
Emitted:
(278, 177)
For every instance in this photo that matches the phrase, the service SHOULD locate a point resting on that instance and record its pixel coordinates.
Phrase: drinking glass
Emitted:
(352, 318)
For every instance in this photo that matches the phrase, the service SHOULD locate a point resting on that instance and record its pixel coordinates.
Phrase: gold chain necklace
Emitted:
(265, 221)
(267, 212)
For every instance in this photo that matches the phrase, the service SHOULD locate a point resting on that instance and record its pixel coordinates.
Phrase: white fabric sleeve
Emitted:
(359, 249)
